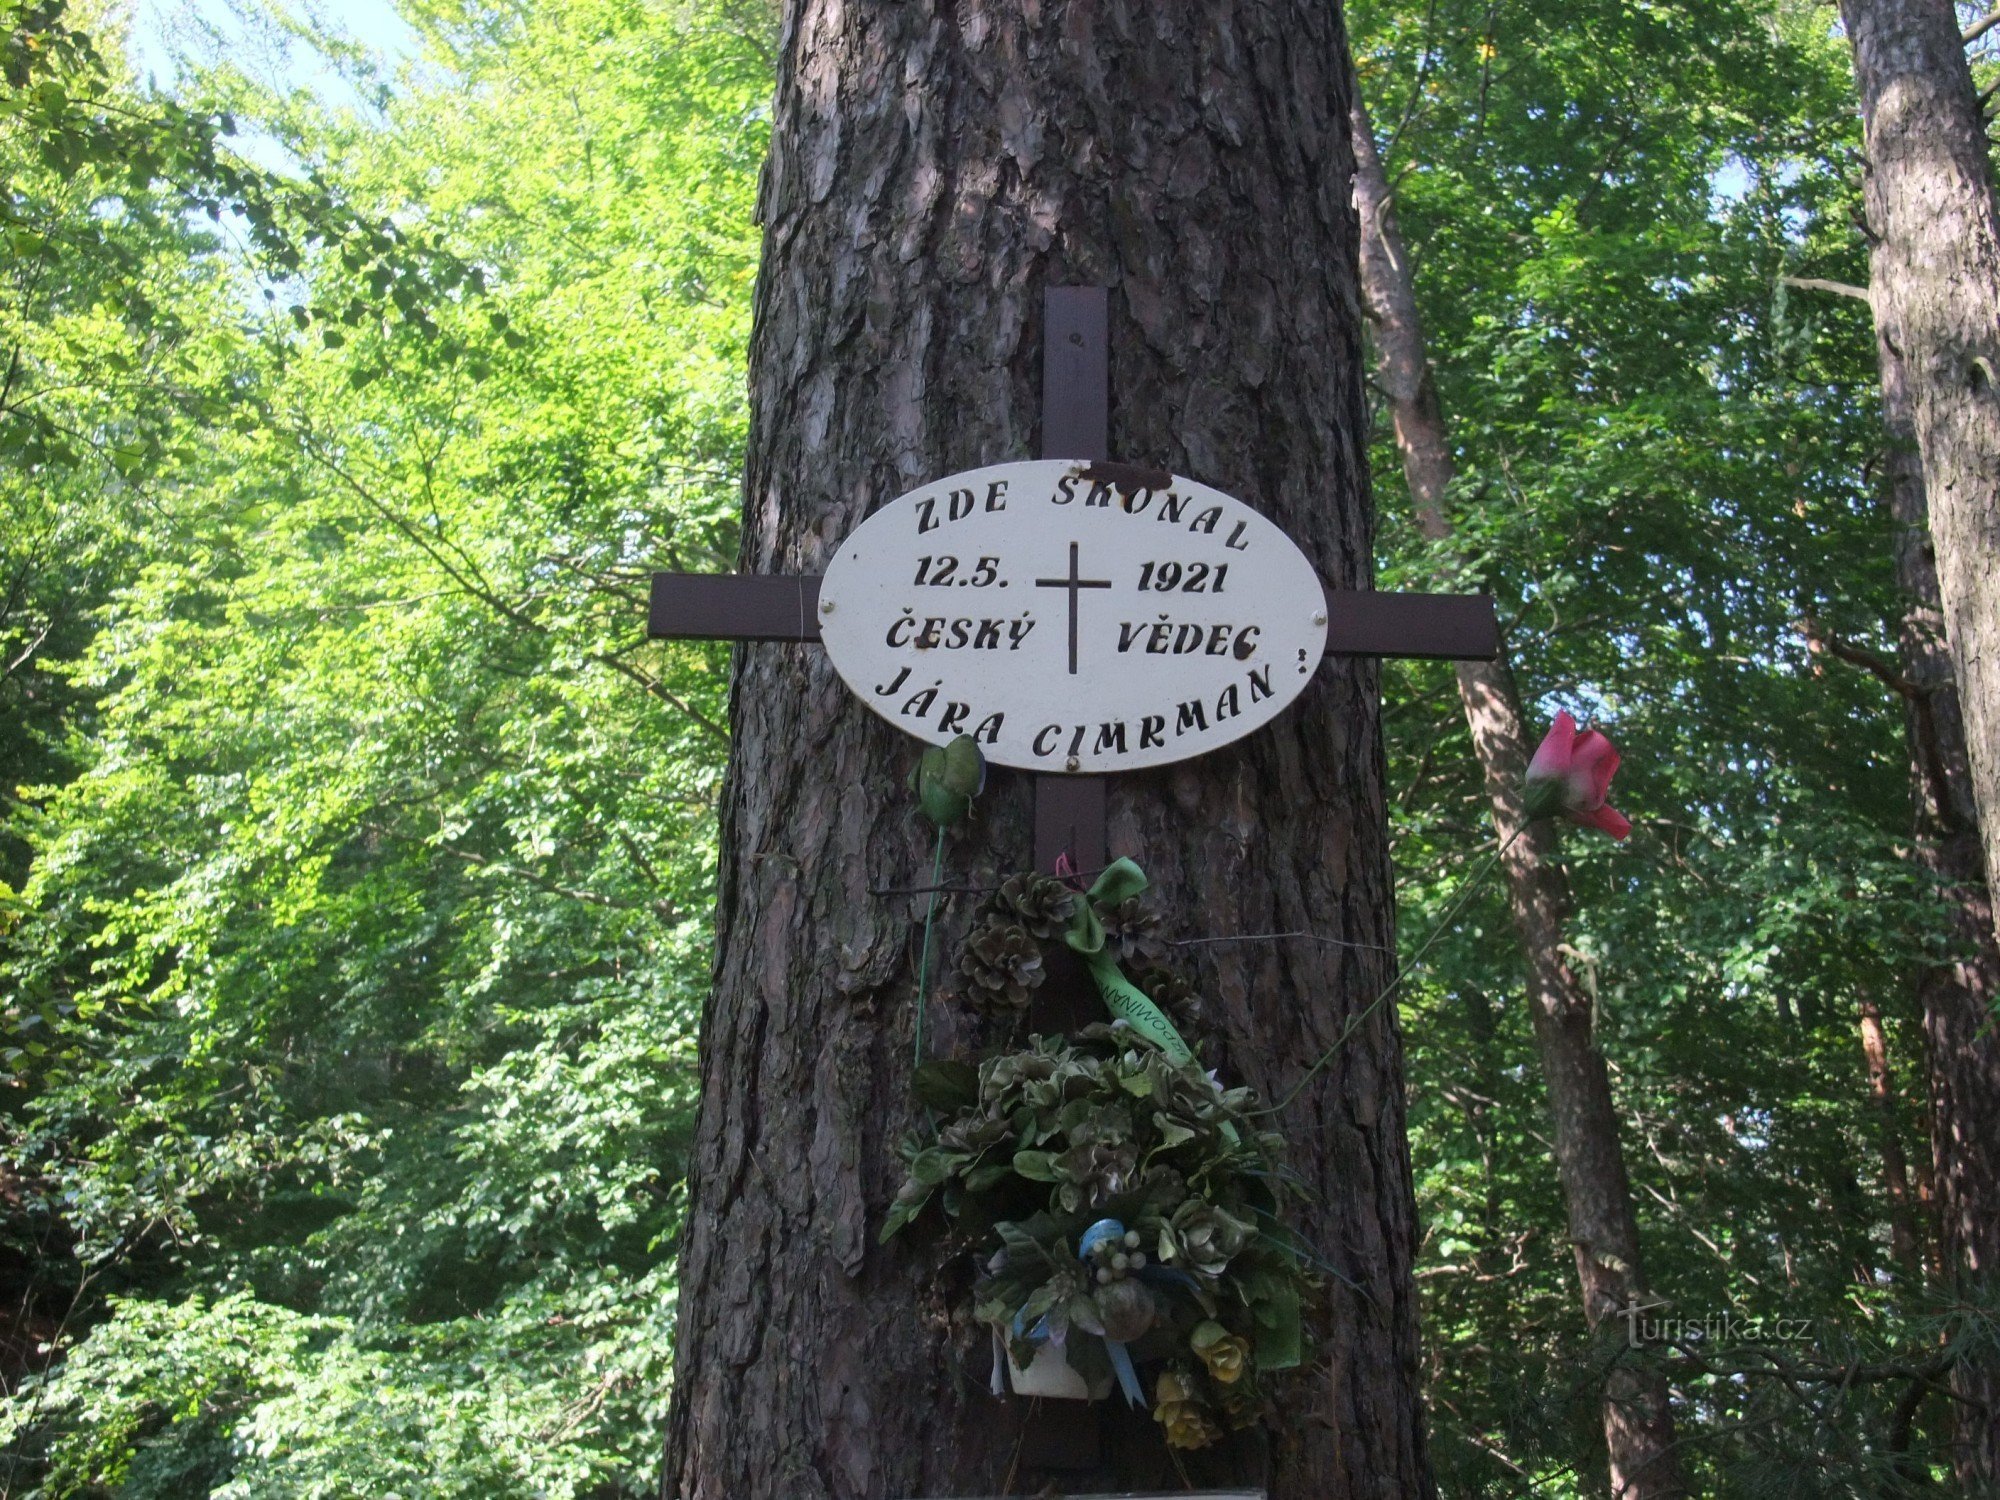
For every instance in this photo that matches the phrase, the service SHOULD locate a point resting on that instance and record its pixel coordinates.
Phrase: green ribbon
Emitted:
(1279, 1337)
(1121, 881)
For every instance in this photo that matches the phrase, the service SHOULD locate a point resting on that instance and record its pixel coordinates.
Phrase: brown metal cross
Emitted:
(1069, 810)
(1073, 584)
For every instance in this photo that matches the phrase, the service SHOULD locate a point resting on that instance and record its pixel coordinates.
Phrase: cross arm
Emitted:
(1362, 622)
(1447, 627)
(733, 606)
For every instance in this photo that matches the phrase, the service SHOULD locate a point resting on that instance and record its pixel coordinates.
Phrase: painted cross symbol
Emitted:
(1069, 810)
(1073, 584)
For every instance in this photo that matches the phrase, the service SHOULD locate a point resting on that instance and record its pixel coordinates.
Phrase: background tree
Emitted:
(1603, 1229)
(361, 920)
(1957, 996)
(1664, 470)
(1934, 234)
(1934, 228)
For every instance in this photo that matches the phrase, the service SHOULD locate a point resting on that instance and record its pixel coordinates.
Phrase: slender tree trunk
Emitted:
(1904, 1241)
(1935, 270)
(1957, 997)
(933, 168)
(1638, 1422)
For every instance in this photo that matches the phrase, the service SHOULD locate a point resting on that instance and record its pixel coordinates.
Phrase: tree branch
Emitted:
(1838, 288)
(1821, 639)
(1754, 1359)
(28, 650)
(1980, 27)
(1927, 752)
(663, 909)
(470, 583)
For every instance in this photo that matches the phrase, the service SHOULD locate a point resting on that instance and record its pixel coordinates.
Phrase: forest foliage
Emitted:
(357, 851)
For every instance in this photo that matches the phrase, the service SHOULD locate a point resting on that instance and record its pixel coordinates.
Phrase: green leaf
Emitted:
(946, 1085)
(1036, 1166)
(989, 1175)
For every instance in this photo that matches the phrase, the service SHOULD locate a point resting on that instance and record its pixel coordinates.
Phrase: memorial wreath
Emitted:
(1125, 1206)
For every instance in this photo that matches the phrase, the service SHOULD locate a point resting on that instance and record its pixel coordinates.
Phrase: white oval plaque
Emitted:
(1072, 622)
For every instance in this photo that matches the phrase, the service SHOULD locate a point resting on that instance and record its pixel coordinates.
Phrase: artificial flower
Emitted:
(1226, 1354)
(1186, 1420)
(1571, 774)
(1203, 1238)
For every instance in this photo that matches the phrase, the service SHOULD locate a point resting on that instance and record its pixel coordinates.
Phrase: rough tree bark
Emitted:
(1957, 998)
(1638, 1422)
(1935, 271)
(933, 168)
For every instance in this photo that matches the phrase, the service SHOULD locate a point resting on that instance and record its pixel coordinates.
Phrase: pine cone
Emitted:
(1002, 965)
(1042, 902)
(1132, 932)
(1174, 995)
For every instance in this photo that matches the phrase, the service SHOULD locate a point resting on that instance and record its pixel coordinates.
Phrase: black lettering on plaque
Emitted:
(1187, 638)
(1260, 683)
(989, 729)
(1099, 496)
(926, 517)
(1172, 506)
(1235, 544)
(1047, 732)
(1065, 490)
(955, 714)
(1128, 632)
(1110, 736)
(1207, 521)
(988, 636)
(996, 495)
(1227, 706)
(1150, 732)
(1191, 715)
(1076, 740)
(928, 637)
(961, 504)
(887, 688)
(896, 625)
(1246, 642)
(918, 705)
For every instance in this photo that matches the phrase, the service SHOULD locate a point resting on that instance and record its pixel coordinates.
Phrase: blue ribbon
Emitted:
(1097, 1234)
(1121, 1357)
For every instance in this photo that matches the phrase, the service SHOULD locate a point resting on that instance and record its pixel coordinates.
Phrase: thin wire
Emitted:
(924, 963)
(1445, 925)
(956, 890)
(1273, 937)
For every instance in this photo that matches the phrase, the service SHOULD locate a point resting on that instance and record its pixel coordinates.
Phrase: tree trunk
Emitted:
(1935, 270)
(1957, 998)
(1638, 1422)
(1904, 1241)
(933, 168)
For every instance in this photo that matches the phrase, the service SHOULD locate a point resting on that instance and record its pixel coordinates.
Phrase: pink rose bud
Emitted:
(1571, 775)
